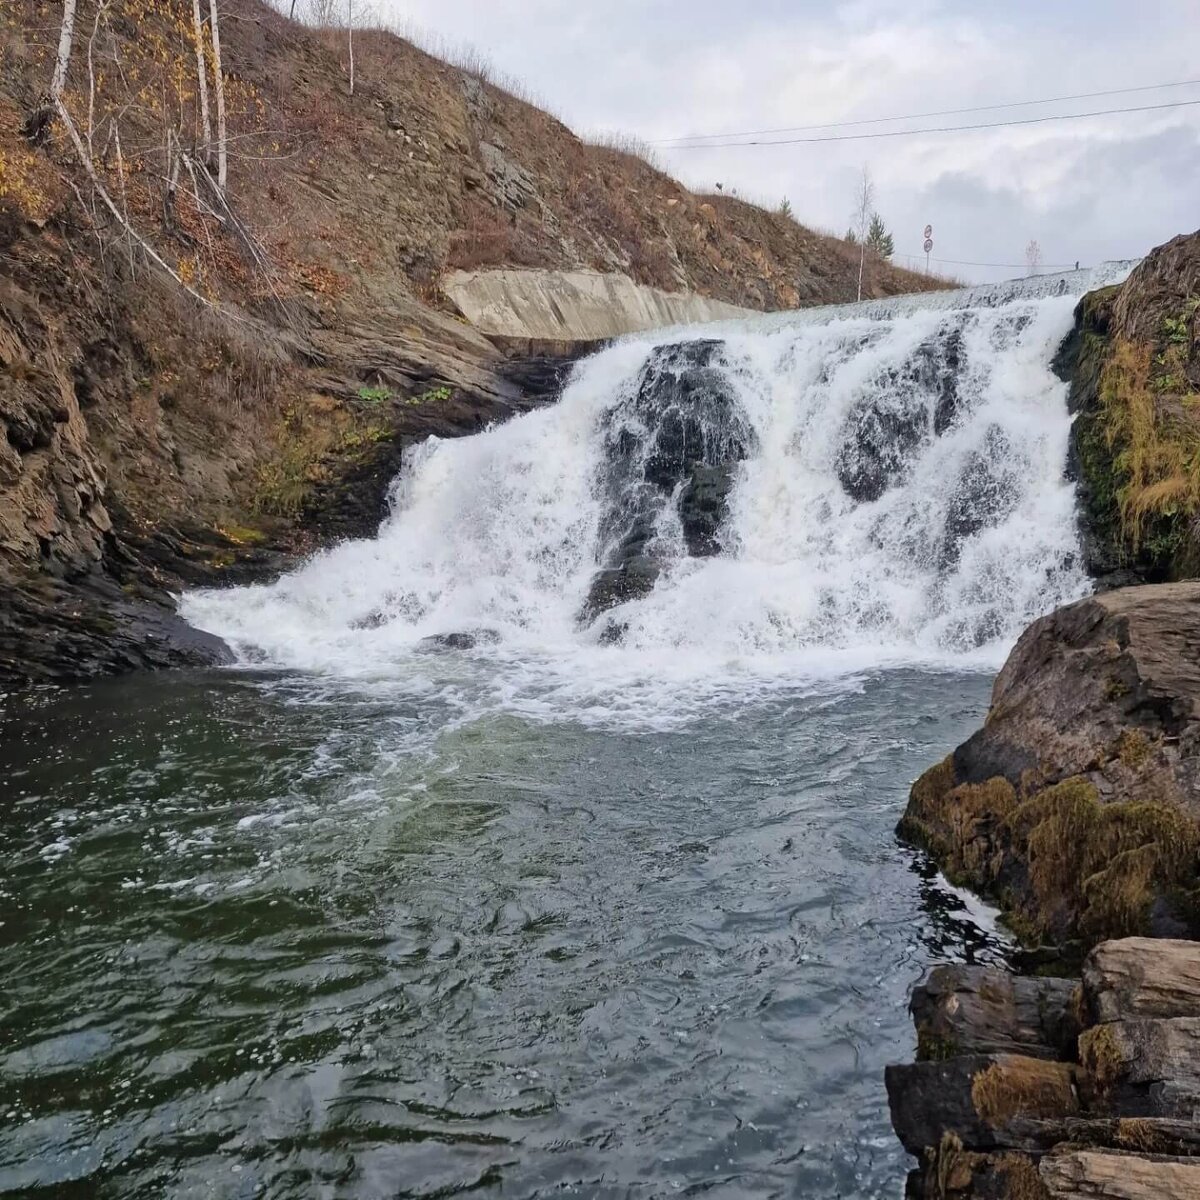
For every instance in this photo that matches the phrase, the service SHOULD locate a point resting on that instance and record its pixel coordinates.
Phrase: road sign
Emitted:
(928, 245)
(928, 232)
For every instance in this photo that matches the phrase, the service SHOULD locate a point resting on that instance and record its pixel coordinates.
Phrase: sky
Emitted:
(1088, 190)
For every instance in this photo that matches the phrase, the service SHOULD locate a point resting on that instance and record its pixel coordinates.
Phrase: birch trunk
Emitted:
(350, 30)
(65, 36)
(219, 78)
(202, 76)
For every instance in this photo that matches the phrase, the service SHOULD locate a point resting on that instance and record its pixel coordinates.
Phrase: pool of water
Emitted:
(262, 936)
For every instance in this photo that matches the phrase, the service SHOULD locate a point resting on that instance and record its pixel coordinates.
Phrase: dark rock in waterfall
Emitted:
(987, 491)
(893, 418)
(676, 439)
(466, 639)
(703, 506)
(880, 436)
(948, 398)
(631, 571)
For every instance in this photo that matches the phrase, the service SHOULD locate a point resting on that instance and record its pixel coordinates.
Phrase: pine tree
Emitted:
(879, 239)
(785, 209)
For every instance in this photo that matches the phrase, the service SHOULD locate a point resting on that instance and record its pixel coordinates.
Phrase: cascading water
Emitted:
(805, 494)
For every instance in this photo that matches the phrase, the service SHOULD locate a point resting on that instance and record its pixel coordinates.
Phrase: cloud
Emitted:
(1106, 187)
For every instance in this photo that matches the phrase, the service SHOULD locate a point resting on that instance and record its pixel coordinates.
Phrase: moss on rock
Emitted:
(1062, 864)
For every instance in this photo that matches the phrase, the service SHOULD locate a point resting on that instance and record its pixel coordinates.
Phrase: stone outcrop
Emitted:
(1077, 806)
(1009, 1107)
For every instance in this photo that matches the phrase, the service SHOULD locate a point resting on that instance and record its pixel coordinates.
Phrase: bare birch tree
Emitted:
(350, 33)
(66, 35)
(219, 82)
(202, 75)
(864, 206)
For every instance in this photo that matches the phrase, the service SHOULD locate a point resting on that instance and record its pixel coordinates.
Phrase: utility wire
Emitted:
(894, 133)
(945, 112)
(958, 262)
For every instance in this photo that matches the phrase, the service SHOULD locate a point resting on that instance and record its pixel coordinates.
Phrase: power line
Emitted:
(894, 133)
(958, 262)
(945, 112)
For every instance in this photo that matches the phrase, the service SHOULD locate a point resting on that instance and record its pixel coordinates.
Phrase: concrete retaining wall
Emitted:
(574, 306)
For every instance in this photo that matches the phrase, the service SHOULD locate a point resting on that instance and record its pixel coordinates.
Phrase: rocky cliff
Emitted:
(250, 396)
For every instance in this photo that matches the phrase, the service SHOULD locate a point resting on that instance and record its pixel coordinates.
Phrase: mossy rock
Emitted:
(1062, 864)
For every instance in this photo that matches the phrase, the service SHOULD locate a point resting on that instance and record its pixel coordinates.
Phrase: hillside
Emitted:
(250, 395)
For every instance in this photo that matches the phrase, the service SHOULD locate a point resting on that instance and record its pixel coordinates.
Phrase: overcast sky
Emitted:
(1105, 187)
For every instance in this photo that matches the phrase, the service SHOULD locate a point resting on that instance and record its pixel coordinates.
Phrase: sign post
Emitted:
(928, 246)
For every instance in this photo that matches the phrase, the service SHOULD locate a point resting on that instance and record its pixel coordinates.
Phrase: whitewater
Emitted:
(493, 541)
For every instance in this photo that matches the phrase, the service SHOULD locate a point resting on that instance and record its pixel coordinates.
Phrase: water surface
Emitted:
(264, 936)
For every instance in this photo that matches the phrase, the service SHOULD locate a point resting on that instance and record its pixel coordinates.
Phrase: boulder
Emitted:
(984, 1010)
(974, 1097)
(1142, 977)
(1106, 1175)
(1077, 805)
(676, 440)
(1144, 1067)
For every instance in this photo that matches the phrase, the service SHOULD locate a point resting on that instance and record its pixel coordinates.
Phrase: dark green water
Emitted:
(261, 939)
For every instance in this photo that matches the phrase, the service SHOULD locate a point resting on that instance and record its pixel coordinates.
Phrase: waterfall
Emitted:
(831, 489)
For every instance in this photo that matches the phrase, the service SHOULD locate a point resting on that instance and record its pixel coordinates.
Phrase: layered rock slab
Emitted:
(1111, 1116)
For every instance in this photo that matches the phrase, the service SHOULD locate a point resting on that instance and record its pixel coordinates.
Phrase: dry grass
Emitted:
(1153, 435)
(629, 145)
(1092, 868)
(1023, 1087)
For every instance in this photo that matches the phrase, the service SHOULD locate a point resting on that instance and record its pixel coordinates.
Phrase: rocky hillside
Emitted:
(199, 382)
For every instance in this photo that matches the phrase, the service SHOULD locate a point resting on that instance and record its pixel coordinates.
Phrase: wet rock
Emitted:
(893, 418)
(878, 444)
(703, 507)
(948, 377)
(468, 639)
(58, 630)
(983, 1010)
(985, 494)
(676, 440)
